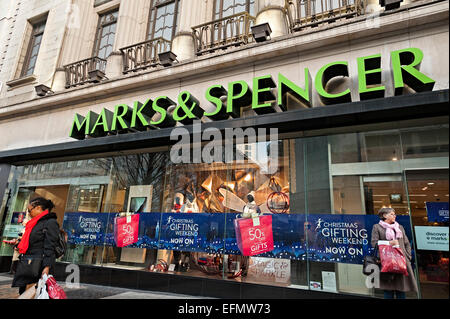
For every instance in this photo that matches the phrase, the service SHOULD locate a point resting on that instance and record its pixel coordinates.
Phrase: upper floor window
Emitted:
(226, 8)
(105, 35)
(33, 48)
(100, 2)
(163, 19)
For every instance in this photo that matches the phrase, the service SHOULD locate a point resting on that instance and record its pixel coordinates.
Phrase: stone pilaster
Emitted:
(114, 65)
(132, 23)
(183, 43)
(59, 80)
(273, 12)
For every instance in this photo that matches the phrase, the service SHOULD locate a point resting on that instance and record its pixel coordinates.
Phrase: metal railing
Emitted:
(223, 33)
(77, 73)
(311, 13)
(144, 54)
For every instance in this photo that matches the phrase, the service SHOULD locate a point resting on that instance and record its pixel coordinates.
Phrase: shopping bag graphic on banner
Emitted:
(126, 230)
(392, 259)
(254, 235)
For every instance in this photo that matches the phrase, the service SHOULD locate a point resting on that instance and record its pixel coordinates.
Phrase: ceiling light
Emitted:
(430, 183)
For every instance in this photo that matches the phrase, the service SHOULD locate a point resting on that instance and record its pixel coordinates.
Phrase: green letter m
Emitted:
(81, 125)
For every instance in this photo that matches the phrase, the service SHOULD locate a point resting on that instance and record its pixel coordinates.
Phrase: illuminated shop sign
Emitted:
(228, 102)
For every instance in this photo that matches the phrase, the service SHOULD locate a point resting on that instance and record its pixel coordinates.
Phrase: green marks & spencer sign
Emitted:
(228, 102)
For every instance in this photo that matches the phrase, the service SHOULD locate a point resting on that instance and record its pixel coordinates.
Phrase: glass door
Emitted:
(428, 195)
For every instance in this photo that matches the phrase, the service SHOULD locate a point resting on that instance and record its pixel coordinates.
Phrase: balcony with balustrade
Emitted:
(232, 31)
(312, 13)
(82, 72)
(143, 55)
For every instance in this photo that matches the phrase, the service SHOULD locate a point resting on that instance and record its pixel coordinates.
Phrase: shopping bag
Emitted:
(29, 293)
(254, 235)
(54, 290)
(126, 230)
(41, 291)
(392, 259)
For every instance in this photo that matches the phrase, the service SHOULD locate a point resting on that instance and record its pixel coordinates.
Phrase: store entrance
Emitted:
(56, 193)
(428, 193)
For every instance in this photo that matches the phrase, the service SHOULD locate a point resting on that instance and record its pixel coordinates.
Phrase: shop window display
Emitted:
(181, 218)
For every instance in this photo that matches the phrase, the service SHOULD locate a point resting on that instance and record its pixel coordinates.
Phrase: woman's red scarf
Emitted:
(24, 242)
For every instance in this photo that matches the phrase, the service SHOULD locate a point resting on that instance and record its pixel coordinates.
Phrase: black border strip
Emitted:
(389, 109)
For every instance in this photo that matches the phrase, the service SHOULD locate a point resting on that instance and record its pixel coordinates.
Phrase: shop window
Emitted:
(106, 31)
(163, 19)
(34, 45)
(323, 200)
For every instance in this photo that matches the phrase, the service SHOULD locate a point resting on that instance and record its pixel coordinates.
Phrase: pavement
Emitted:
(87, 291)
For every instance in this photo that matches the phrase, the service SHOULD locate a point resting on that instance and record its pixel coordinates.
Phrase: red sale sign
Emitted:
(126, 230)
(254, 235)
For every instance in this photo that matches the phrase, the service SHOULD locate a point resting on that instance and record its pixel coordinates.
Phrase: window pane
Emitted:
(106, 34)
(232, 7)
(33, 49)
(163, 21)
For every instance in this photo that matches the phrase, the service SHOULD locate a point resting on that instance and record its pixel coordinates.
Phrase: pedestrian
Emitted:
(37, 245)
(390, 230)
(15, 242)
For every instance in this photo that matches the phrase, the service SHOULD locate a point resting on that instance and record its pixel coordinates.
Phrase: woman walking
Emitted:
(37, 246)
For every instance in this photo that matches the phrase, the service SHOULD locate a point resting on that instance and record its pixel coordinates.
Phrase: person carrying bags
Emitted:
(393, 234)
(37, 246)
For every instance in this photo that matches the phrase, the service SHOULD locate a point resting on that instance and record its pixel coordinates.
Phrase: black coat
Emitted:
(42, 243)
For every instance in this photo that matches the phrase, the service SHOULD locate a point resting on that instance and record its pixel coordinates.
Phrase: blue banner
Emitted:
(87, 229)
(437, 212)
(324, 237)
(344, 238)
(192, 232)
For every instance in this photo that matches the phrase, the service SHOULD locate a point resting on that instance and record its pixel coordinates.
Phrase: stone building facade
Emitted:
(62, 58)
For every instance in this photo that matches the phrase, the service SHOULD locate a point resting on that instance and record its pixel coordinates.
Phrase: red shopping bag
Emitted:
(126, 230)
(54, 290)
(254, 235)
(392, 259)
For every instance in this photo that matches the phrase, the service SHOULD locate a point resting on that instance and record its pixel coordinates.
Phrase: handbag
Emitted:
(29, 267)
(371, 260)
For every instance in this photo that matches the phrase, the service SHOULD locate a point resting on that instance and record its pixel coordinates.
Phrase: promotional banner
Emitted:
(199, 232)
(437, 212)
(324, 237)
(87, 229)
(344, 238)
(126, 230)
(432, 238)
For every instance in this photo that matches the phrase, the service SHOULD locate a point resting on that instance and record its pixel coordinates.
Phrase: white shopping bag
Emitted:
(41, 291)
